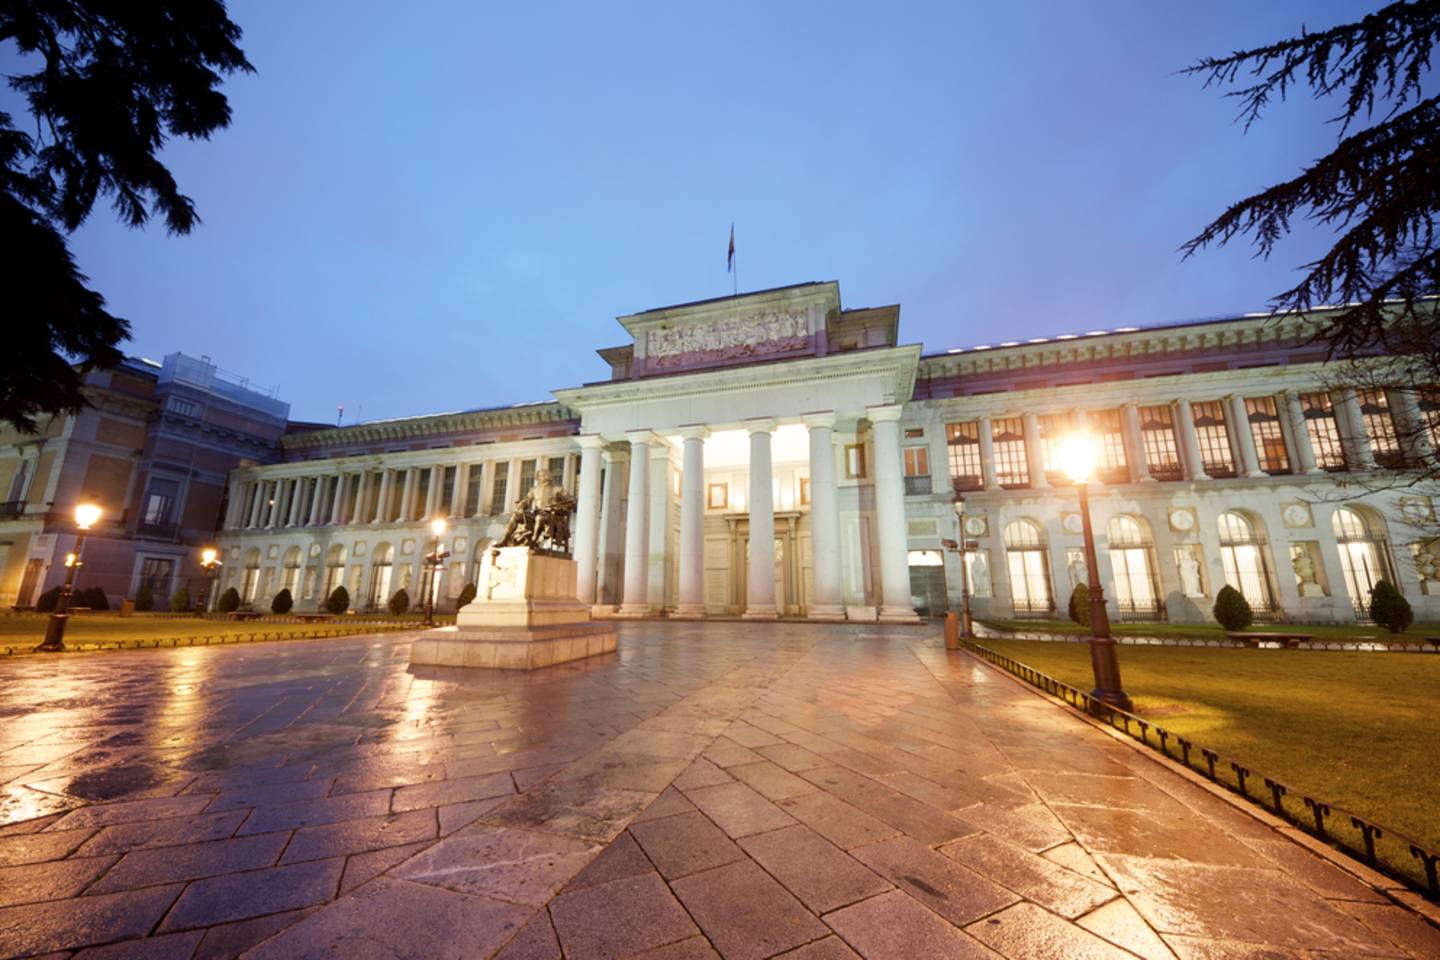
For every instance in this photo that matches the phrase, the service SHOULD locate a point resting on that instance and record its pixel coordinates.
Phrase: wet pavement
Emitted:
(727, 789)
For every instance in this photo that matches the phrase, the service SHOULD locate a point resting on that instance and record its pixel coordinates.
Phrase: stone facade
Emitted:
(779, 417)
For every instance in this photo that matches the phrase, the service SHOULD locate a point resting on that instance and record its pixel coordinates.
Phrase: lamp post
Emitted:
(210, 563)
(967, 629)
(86, 515)
(1077, 456)
(432, 565)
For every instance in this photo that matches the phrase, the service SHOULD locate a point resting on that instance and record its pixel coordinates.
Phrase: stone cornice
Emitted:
(802, 294)
(473, 453)
(430, 425)
(897, 362)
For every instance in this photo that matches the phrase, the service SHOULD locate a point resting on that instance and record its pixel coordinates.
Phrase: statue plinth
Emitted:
(525, 616)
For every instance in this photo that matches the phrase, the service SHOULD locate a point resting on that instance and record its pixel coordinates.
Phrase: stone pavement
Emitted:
(723, 789)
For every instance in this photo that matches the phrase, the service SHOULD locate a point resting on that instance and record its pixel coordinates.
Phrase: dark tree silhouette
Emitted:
(112, 83)
(1379, 189)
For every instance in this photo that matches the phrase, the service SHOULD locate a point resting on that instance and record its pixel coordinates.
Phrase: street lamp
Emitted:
(210, 563)
(86, 515)
(957, 503)
(1077, 458)
(432, 564)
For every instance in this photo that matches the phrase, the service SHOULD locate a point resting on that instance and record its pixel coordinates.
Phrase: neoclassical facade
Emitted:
(782, 418)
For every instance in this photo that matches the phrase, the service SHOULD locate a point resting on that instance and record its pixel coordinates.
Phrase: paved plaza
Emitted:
(722, 789)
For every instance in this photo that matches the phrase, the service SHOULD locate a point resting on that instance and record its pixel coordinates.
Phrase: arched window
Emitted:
(1029, 567)
(1364, 557)
(251, 583)
(1243, 555)
(290, 576)
(1132, 559)
(381, 559)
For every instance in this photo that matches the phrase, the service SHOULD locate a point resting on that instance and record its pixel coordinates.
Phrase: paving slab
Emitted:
(745, 913)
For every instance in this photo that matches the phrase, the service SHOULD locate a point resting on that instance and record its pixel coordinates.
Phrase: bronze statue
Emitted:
(541, 520)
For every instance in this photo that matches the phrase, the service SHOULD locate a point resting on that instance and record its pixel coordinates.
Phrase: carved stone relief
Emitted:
(769, 332)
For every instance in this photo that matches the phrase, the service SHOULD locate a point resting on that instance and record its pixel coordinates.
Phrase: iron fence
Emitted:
(1379, 847)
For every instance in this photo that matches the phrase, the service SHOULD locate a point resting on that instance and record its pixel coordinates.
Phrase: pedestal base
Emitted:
(512, 648)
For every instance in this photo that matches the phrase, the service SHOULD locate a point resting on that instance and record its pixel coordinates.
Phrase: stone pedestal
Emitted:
(525, 616)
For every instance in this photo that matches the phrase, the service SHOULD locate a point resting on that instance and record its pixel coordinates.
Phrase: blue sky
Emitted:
(424, 207)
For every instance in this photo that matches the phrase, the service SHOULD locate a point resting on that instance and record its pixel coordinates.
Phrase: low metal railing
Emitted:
(1379, 847)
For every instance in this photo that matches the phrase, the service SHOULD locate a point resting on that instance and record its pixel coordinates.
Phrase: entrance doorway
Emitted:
(927, 583)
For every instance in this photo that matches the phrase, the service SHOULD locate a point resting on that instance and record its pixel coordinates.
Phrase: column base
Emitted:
(602, 611)
(826, 612)
(761, 612)
(689, 611)
(1147, 479)
(1257, 475)
(633, 611)
(898, 615)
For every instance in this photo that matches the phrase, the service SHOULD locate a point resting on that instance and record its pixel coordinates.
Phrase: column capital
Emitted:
(590, 441)
(824, 420)
(889, 412)
(642, 437)
(694, 431)
(759, 425)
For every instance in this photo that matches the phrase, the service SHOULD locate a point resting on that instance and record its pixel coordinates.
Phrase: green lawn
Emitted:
(85, 629)
(1353, 729)
(1416, 634)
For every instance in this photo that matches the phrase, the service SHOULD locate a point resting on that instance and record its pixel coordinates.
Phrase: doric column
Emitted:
(895, 601)
(297, 501)
(1135, 444)
(1363, 456)
(987, 459)
(661, 497)
(317, 500)
(457, 492)
(760, 585)
(512, 484)
(637, 533)
(587, 517)
(432, 495)
(341, 483)
(233, 503)
(1189, 443)
(407, 495)
(252, 516)
(824, 518)
(1249, 457)
(382, 502)
(608, 536)
(1034, 456)
(272, 504)
(691, 600)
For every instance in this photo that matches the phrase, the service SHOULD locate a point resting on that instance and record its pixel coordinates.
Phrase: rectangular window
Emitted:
(1214, 442)
(17, 483)
(472, 489)
(423, 479)
(854, 461)
(557, 470)
(963, 443)
(1054, 427)
(717, 496)
(497, 489)
(1265, 428)
(804, 491)
(185, 408)
(1011, 468)
(1108, 429)
(1380, 428)
(527, 477)
(1323, 431)
(1429, 402)
(160, 500)
(155, 574)
(447, 489)
(1157, 436)
(917, 461)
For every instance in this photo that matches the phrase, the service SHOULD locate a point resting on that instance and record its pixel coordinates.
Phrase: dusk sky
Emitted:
(424, 207)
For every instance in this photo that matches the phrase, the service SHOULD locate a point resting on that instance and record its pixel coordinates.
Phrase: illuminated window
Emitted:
(1157, 436)
(1214, 442)
(1244, 559)
(497, 489)
(854, 461)
(1364, 555)
(1265, 428)
(473, 489)
(1027, 562)
(1380, 428)
(917, 461)
(1053, 428)
(1011, 468)
(1324, 433)
(963, 443)
(1137, 590)
(1108, 430)
(1430, 414)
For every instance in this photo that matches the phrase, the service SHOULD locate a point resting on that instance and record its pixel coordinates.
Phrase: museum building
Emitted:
(782, 418)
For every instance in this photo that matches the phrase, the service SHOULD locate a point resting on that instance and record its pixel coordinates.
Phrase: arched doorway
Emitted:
(1364, 555)
(334, 570)
(1247, 567)
(382, 559)
(1028, 564)
(1132, 559)
(251, 582)
(290, 572)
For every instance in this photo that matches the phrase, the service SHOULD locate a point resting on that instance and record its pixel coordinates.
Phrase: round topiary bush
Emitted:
(48, 600)
(283, 602)
(95, 599)
(180, 601)
(1232, 610)
(229, 601)
(1390, 609)
(145, 599)
(338, 601)
(467, 595)
(399, 603)
(1080, 604)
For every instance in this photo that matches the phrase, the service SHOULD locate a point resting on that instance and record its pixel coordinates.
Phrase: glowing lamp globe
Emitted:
(86, 515)
(1077, 457)
(437, 526)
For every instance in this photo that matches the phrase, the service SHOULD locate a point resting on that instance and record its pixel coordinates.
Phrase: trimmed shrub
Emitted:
(399, 603)
(1080, 604)
(180, 601)
(48, 600)
(282, 601)
(339, 600)
(1232, 610)
(1389, 609)
(229, 601)
(145, 599)
(467, 595)
(95, 599)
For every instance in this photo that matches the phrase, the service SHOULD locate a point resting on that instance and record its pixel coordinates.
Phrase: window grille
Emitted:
(1215, 454)
(1157, 436)
(1265, 428)
(1429, 403)
(1323, 431)
(1108, 429)
(1053, 429)
(497, 489)
(1380, 428)
(1011, 468)
(473, 489)
(963, 444)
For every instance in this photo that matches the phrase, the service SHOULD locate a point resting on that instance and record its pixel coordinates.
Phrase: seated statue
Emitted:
(541, 520)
